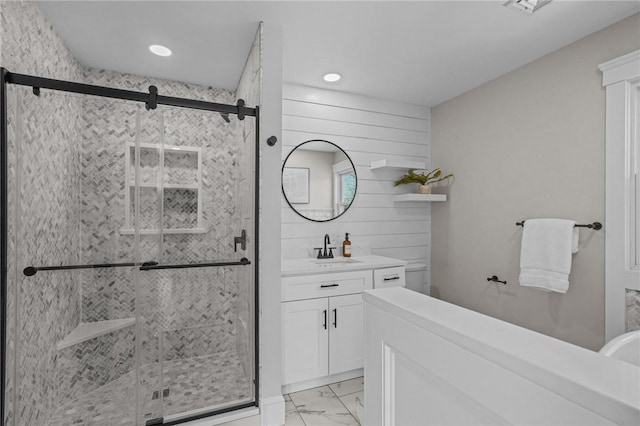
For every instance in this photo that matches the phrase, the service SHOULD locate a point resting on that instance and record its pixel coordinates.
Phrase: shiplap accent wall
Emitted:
(367, 129)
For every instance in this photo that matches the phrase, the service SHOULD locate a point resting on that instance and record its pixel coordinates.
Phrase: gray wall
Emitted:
(528, 144)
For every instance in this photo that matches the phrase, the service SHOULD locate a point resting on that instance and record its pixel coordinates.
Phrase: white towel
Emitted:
(545, 257)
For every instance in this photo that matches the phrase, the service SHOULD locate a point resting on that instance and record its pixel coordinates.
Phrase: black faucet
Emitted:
(322, 254)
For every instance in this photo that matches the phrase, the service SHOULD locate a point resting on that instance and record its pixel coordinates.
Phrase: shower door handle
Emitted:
(152, 266)
(242, 240)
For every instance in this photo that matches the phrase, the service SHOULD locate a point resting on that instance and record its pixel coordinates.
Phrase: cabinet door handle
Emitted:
(397, 277)
(329, 285)
(335, 318)
(325, 319)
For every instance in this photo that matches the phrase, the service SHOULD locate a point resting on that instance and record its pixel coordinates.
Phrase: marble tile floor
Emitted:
(337, 404)
(193, 383)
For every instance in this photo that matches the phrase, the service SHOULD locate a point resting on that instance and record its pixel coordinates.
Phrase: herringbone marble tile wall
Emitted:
(632, 302)
(172, 301)
(67, 206)
(48, 229)
(44, 177)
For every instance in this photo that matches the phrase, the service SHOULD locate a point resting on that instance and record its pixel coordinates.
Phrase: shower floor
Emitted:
(189, 384)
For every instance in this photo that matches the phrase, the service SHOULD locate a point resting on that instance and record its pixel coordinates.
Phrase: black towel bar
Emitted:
(596, 226)
(32, 270)
(495, 279)
(155, 266)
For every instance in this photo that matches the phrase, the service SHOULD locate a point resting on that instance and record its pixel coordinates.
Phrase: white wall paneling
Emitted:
(368, 130)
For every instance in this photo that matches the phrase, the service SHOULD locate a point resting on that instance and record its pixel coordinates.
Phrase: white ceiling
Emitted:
(421, 52)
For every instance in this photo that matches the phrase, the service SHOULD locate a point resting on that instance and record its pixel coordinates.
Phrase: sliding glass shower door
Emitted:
(194, 300)
(131, 261)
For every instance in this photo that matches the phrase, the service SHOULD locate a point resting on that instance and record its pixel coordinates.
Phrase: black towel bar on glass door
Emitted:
(145, 266)
(149, 267)
(596, 226)
(32, 270)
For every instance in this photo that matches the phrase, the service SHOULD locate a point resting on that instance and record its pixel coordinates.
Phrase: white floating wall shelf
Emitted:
(397, 164)
(420, 197)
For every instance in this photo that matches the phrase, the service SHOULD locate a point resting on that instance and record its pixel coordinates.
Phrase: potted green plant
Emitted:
(424, 179)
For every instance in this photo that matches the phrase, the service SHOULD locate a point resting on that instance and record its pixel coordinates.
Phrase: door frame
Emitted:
(619, 77)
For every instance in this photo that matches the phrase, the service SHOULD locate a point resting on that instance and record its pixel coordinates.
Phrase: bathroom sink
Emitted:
(334, 262)
(625, 347)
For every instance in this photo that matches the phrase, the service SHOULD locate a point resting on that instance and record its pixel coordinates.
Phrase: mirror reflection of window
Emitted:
(332, 180)
(347, 190)
(344, 183)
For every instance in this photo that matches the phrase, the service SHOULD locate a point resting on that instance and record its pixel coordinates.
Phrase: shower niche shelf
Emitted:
(170, 182)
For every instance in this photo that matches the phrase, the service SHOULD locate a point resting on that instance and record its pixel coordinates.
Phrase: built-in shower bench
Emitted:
(93, 355)
(90, 330)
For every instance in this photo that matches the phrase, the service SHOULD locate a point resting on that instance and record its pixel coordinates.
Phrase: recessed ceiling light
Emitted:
(160, 50)
(332, 77)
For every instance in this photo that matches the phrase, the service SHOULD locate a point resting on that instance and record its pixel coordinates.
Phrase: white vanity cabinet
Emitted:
(322, 324)
(322, 337)
(346, 333)
(389, 277)
(305, 352)
(323, 317)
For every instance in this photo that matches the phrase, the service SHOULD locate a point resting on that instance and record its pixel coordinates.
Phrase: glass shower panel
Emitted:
(203, 332)
(74, 328)
(97, 188)
(144, 178)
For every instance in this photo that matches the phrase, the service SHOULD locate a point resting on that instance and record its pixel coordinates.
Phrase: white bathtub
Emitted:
(625, 347)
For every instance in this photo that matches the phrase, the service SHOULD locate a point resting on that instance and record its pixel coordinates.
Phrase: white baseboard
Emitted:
(321, 381)
(272, 411)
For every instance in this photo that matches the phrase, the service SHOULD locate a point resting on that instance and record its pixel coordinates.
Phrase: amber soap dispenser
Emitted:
(346, 246)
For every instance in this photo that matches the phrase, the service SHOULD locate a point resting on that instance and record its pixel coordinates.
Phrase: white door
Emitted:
(346, 335)
(305, 340)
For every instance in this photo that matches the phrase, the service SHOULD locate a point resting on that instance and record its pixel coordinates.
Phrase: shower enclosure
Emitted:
(129, 255)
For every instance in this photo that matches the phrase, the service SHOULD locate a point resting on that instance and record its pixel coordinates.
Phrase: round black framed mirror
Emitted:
(319, 180)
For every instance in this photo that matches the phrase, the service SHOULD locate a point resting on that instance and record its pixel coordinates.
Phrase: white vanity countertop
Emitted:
(308, 266)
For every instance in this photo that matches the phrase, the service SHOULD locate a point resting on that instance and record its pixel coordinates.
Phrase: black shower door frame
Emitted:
(151, 101)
